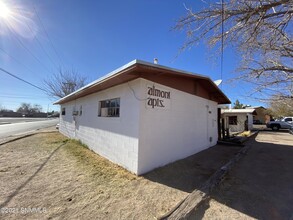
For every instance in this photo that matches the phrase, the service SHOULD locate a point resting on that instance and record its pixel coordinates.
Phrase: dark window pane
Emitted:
(113, 103)
(233, 120)
(118, 102)
(110, 112)
(109, 108)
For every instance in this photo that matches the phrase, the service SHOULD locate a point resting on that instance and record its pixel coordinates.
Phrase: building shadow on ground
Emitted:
(20, 187)
(260, 185)
(192, 172)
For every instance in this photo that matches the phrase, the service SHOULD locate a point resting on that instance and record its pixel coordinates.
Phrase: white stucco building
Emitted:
(238, 120)
(143, 115)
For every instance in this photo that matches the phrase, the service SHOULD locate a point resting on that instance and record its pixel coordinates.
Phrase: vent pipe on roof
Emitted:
(155, 61)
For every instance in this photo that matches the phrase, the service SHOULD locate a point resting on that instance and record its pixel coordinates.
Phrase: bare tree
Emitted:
(24, 108)
(27, 108)
(260, 30)
(281, 106)
(63, 83)
(36, 108)
(4, 109)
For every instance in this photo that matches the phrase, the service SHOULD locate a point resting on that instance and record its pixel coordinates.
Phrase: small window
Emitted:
(63, 111)
(74, 111)
(288, 119)
(232, 120)
(109, 108)
(80, 110)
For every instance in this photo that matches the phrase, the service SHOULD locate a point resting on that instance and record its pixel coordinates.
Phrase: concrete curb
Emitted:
(191, 203)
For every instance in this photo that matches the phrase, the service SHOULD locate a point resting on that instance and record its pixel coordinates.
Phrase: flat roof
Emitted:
(137, 69)
(255, 107)
(246, 110)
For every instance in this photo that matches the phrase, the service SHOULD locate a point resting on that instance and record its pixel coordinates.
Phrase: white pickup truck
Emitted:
(284, 123)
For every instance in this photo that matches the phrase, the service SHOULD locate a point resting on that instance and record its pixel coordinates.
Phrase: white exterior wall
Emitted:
(186, 127)
(143, 138)
(250, 121)
(241, 118)
(113, 138)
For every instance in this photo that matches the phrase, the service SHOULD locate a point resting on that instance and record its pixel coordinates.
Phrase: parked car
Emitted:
(257, 122)
(284, 123)
(288, 119)
(291, 130)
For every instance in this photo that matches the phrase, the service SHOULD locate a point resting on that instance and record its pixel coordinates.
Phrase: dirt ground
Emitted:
(260, 186)
(47, 176)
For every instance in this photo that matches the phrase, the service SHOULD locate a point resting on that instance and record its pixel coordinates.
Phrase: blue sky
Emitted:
(94, 38)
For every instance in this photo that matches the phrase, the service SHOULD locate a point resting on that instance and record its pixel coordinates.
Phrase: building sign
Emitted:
(158, 98)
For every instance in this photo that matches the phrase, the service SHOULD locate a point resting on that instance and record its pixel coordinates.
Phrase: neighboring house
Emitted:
(143, 115)
(238, 120)
(261, 116)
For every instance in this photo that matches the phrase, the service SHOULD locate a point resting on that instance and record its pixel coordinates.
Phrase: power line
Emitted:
(22, 44)
(52, 45)
(19, 97)
(11, 101)
(21, 94)
(4, 51)
(39, 42)
(11, 74)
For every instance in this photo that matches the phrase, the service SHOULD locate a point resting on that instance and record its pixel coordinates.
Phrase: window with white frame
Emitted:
(63, 111)
(109, 108)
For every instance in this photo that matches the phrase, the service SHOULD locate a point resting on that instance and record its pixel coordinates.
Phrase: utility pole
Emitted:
(48, 111)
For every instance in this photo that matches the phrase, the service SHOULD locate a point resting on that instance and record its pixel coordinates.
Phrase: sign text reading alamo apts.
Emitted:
(158, 98)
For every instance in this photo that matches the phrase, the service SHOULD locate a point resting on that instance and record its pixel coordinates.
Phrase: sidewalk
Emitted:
(259, 186)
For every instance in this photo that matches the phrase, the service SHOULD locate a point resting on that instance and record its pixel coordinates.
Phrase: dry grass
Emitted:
(245, 134)
(95, 165)
(68, 181)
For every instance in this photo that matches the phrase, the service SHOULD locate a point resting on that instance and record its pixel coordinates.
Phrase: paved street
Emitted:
(6, 120)
(24, 125)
